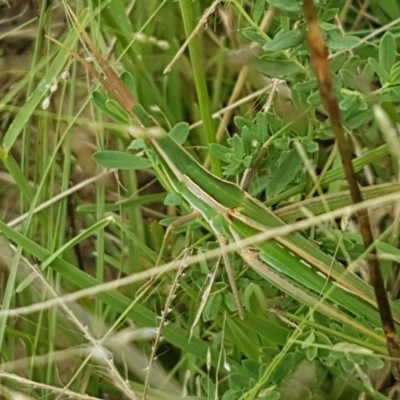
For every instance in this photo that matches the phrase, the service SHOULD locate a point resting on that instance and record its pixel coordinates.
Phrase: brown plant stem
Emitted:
(319, 56)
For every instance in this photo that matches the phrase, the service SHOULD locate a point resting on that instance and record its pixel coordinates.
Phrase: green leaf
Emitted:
(391, 110)
(120, 160)
(347, 103)
(309, 145)
(357, 118)
(242, 122)
(269, 353)
(285, 40)
(258, 10)
(246, 340)
(252, 366)
(101, 102)
(347, 365)
(337, 42)
(308, 341)
(219, 151)
(287, 364)
(352, 63)
(119, 114)
(395, 74)
(248, 137)
(367, 73)
(274, 122)
(390, 95)
(237, 146)
(324, 340)
(173, 199)
(329, 14)
(289, 168)
(283, 69)
(271, 396)
(355, 358)
(130, 82)
(361, 104)
(253, 35)
(300, 102)
(232, 169)
(386, 11)
(326, 26)
(212, 307)
(231, 395)
(379, 70)
(374, 362)
(137, 144)
(338, 62)
(311, 353)
(180, 132)
(143, 116)
(282, 143)
(238, 381)
(287, 5)
(348, 331)
(307, 86)
(209, 387)
(168, 221)
(248, 161)
(314, 99)
(229, 301)
(262, 129)
(349, 79)
(387, 51)
(266, 327)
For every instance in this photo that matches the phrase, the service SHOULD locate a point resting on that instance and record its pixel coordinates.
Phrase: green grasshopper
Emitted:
(293, 263)
(230, 212)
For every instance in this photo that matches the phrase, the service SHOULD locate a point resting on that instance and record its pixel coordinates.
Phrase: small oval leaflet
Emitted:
(336, 42)
(120, 160)
(180, 132)
(173, 199)
(285, 40)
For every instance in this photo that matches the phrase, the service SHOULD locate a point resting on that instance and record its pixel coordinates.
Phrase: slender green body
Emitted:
(229, 210)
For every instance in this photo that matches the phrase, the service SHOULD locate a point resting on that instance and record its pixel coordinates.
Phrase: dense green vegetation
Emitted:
(107, 292)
